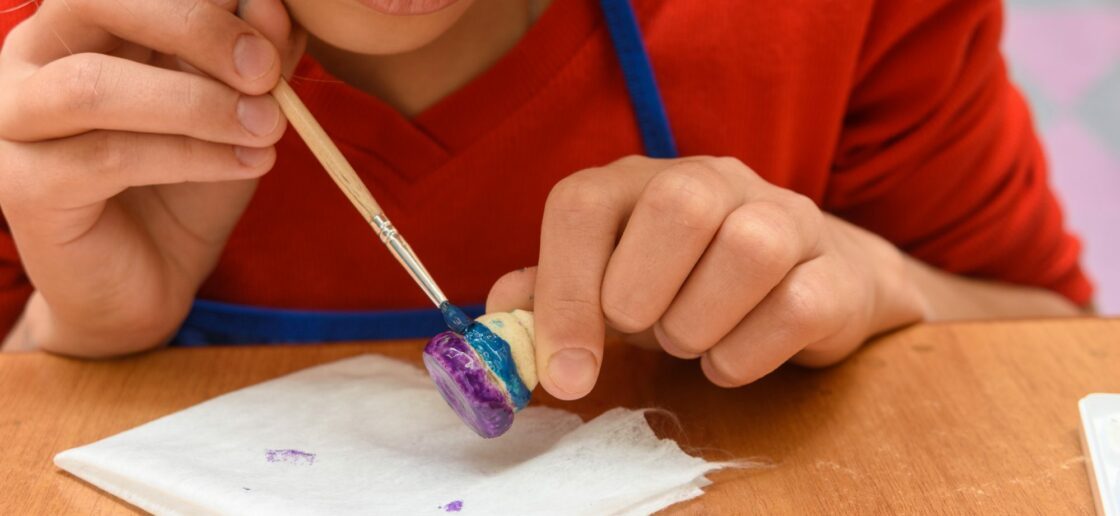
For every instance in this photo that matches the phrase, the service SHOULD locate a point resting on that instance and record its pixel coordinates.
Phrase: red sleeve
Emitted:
(939, 155)
(12, 12)
(15, 287)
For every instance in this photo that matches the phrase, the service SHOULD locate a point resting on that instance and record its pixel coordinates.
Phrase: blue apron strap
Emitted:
(653, 122)
(211, 322)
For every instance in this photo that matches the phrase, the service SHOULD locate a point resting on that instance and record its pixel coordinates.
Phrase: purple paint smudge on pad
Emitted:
(455, 506)
(297, 457)
(467, 385)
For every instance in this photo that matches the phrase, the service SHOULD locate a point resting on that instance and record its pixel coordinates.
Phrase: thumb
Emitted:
(512, 291)
(272, 19)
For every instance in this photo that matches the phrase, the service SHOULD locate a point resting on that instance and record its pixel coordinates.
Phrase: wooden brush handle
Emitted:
(326, 151)
(348, 181)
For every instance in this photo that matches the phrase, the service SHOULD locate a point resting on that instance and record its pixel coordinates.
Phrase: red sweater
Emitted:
(896, 115)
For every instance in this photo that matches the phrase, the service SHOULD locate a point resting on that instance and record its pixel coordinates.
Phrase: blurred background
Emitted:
(1065, 54)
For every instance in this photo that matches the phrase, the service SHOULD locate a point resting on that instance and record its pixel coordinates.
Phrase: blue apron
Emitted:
(212, 322)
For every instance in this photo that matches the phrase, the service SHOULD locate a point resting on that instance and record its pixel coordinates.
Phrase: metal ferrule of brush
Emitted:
(404, 254)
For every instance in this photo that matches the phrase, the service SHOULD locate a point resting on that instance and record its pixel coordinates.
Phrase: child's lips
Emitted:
(408, 7)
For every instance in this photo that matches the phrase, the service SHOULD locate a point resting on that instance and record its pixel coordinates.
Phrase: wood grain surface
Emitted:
(976, 418)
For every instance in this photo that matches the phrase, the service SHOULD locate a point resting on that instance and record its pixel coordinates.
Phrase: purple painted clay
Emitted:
(467, 386)
(299, 457)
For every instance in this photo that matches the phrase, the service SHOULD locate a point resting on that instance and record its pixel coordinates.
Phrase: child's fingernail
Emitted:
(669, 346)
(573, 370)
(252, 156)
(258, 115)
(252, 56)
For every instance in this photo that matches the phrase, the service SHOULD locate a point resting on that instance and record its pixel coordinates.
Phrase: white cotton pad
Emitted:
(1100, 437)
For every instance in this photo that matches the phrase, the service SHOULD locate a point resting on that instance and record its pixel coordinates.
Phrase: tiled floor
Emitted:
(1066, 56)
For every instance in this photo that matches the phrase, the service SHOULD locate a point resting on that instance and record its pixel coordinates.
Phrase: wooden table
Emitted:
(972, 418)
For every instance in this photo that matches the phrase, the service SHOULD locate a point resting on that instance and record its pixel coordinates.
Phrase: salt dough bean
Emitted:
(487, 373)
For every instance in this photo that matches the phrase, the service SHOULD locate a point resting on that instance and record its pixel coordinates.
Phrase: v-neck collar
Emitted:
(425, 143)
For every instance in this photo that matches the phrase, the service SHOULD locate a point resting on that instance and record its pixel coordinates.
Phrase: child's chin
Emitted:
(356, 26)
(408, 7)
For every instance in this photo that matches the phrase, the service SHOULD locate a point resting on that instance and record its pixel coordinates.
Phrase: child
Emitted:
(862, 141)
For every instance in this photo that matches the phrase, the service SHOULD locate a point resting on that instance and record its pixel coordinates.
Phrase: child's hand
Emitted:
(721, 264)
(131, 135)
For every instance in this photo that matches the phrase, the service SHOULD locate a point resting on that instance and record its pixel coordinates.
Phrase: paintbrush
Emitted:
(352, 186)
(473, 367)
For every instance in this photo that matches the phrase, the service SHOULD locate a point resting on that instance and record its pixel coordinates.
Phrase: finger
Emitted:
(206, 34)
(77, 171)
(513, 291)
(672, 224)
(582, 218)
(756, 247)
(806, 307)
(89, 91)
(272, 19)
(59, 30)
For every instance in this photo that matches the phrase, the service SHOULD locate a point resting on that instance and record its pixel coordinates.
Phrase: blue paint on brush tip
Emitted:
(456, 320)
